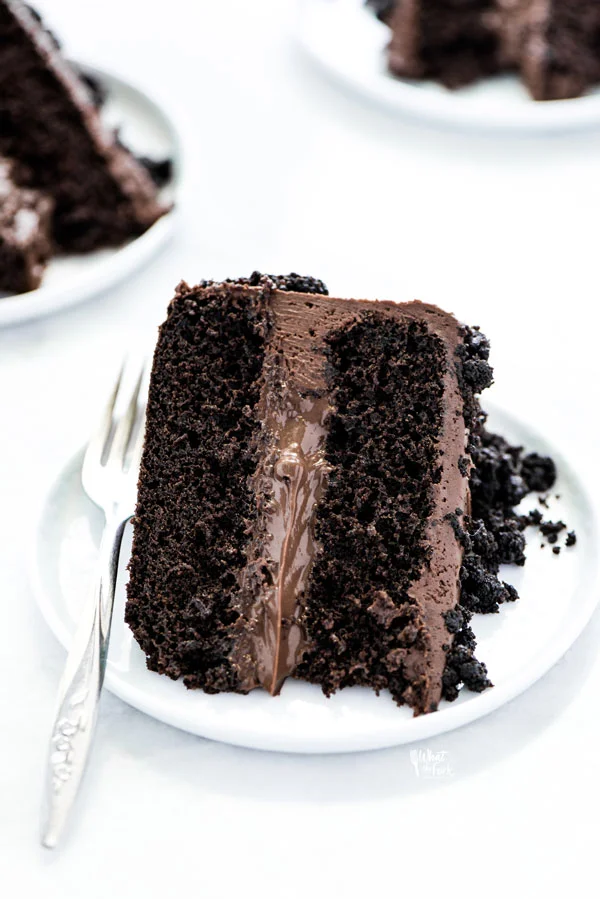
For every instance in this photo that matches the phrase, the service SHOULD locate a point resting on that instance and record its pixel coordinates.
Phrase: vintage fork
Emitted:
(109, 477)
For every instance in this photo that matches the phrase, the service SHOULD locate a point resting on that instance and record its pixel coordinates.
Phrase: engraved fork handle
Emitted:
(80, 686)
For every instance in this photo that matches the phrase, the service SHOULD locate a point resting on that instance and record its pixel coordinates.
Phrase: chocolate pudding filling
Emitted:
(289, 482)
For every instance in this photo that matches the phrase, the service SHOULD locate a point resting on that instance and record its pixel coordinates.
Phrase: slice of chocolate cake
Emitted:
(49, 122)
(554, 44)
(304, 492)
(25, 242)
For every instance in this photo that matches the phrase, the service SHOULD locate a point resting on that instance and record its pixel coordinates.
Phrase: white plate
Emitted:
(147, 131)
(558, 596)
(347, 39)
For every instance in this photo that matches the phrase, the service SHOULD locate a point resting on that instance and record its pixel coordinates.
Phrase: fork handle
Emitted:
(79, 690)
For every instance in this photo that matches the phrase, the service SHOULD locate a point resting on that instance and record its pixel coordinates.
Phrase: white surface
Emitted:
(348, 40)
(148, 131)
(558, 597)
(293, 174)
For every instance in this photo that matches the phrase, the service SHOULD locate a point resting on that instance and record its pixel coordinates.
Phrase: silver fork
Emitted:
(109, 477)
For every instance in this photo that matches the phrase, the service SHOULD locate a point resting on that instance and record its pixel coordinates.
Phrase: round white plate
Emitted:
(347, 39)
(558, 595)
(147, 131)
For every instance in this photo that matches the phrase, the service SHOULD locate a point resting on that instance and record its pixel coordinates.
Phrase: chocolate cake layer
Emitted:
(49, 122)
(195, 506)
(304, 459)
(25, 241)
(553, 44)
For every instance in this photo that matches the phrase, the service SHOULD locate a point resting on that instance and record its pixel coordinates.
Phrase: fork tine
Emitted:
(136, 454)
(99, 440)
(123, 431)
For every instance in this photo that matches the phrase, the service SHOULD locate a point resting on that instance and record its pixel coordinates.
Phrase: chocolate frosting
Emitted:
(292, 475)
(405, 43)
(438, 589)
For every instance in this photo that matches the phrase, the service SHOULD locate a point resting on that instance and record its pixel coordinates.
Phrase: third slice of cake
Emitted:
(306, 464)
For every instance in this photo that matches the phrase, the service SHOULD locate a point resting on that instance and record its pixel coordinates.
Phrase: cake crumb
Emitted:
(551, 530)
(534, 518)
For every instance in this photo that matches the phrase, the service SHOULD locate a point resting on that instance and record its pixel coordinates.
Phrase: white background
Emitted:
(287, 172)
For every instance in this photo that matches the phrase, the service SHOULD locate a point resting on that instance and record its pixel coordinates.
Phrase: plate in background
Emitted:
(347, 39)
(519, 645)
(148, 131)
